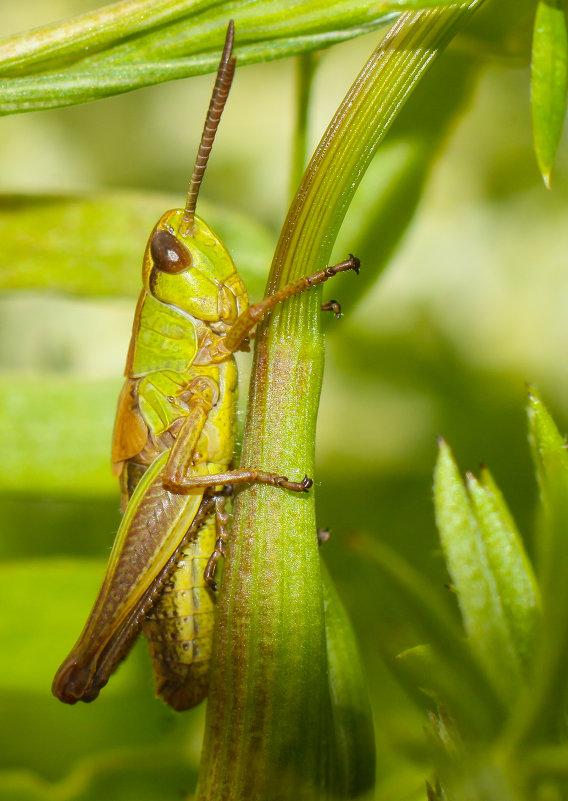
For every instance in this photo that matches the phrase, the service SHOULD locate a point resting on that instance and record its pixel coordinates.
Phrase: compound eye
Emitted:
(168, 254)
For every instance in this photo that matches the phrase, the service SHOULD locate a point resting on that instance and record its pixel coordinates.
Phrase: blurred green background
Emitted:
(472, 306)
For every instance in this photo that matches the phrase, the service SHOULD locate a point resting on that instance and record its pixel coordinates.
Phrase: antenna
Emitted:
(218, 100)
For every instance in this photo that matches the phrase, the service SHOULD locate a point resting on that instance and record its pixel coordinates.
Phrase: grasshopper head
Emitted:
(193, 271)
(186, 265)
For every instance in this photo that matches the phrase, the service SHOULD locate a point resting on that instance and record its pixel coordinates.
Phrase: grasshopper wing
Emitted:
(130, 431)
(153, 527)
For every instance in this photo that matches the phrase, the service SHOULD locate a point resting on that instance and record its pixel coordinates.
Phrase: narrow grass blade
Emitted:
(132, 44)
(152, 25)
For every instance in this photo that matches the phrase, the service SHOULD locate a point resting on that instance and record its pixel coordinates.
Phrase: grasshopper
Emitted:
(173, 448)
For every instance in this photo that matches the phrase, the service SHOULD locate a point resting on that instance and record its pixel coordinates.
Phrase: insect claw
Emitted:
(333, 306)
(355, 263)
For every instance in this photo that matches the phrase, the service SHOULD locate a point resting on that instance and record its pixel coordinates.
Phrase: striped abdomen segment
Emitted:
(179, 627)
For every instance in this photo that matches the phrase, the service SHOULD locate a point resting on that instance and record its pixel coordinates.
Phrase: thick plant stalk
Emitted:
(269, 732)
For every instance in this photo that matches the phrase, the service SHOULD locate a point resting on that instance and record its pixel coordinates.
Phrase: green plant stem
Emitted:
(306, 65)
(268, 731)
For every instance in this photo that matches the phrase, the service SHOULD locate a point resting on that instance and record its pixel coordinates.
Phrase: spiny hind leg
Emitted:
(239, 476)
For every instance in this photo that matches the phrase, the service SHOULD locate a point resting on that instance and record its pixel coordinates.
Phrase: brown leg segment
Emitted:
(249, 318)
(222, 519)
(332, 305)
(203, 395)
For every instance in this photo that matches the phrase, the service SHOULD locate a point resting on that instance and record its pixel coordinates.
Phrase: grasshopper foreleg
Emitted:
(203, 395)
(256, 311)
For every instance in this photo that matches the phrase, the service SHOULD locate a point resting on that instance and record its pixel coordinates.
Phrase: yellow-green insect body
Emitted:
(181, 315)
(176, 417)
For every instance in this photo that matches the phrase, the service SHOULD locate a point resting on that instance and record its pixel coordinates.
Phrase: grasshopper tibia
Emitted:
(256, 311)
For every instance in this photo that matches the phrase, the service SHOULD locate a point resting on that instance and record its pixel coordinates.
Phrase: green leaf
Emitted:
(92, 245)
(549, 81)
(135, 44)
(467, 561)
(548, 448)
(550, 457)
(56, 434)
(542, 715)
(354, 767)
(450, 670)
(147, 22)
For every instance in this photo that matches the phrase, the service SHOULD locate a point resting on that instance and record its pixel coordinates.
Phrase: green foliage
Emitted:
(354, 765)
(133, 44)
(101, 238)
(519, 643)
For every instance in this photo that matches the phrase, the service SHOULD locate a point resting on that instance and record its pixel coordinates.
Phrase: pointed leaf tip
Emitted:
(549, 82)
(464, 548)
(547, 178)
